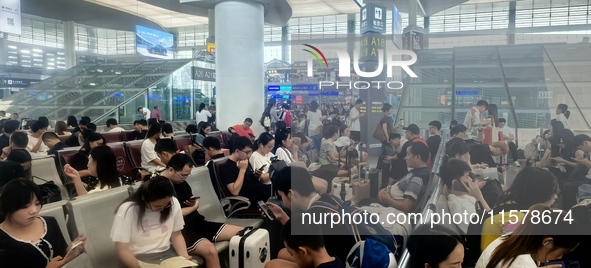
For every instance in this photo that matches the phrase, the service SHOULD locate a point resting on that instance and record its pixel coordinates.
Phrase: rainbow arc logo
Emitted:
(316, 55)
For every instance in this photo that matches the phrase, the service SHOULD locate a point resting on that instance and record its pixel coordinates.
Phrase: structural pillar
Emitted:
(511, 33)
(211, 26)
(426, 26)
(239, 29)
(412, 13)
(285, 51)
(351, 25)
(70, 44)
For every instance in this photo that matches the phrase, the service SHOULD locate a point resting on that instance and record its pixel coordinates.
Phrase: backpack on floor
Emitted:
(369, 254)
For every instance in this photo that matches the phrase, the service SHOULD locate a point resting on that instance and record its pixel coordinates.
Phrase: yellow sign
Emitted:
(211, 48)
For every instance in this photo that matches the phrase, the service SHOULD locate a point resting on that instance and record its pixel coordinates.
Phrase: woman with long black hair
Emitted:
(147, 223)
(102, 164)
(150, 160)
(80, 160)
(534, 245)
(202, 114)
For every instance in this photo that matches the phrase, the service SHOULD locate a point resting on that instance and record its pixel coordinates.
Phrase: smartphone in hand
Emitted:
(73, 249)
(268, 213)
(193, 198)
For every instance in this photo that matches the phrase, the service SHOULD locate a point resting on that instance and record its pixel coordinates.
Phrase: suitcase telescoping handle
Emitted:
(244, 231)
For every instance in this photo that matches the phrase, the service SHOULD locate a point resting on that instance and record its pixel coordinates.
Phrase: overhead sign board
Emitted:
(373, 19)
(10, 16)
(203, 74)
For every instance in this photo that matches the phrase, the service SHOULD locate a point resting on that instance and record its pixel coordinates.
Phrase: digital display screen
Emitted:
(154, 43)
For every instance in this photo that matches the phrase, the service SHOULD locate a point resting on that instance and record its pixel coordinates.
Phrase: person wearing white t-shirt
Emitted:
(150, 160)
(147, 224)
(283, 150)
(562, 114)
(145, 112)
(35, 144)
(473, 119)
(114, 126)
(261, 158)
(355, 115)
(314, 117)
(202, 114)
(509, 136)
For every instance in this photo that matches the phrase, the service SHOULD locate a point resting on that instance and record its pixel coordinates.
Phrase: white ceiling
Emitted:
(165, 17)
(301, 8)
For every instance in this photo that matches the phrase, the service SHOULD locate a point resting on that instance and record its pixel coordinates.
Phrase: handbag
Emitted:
(379, 134)
(50, 192)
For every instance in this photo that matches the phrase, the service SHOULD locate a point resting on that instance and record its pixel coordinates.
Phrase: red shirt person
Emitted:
(244, 130)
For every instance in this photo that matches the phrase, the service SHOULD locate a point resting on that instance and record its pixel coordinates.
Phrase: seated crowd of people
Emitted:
(292, 169)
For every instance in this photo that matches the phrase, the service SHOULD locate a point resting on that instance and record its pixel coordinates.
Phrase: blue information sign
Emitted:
(373, 19)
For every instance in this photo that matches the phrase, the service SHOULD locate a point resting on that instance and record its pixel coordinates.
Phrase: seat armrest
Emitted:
(234, 204)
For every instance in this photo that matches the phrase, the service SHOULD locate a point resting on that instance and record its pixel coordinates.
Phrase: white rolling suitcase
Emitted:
(250, 248)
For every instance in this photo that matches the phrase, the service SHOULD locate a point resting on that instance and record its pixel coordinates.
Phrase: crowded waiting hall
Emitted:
(295, 134)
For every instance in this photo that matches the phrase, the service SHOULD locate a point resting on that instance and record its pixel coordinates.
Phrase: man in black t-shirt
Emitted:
(140, 130)
(300, 197)
(239, 176)
(307, 250)
(483, 154)
(199, 233)
(9, 127)
(434, 140)
(53, 142)
(213, 148)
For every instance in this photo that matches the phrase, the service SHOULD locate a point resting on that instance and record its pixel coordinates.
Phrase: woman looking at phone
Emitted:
(27, 239)
(463, 190)
(261, 158)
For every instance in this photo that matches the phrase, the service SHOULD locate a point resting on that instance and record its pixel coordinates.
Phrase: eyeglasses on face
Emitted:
(247, 152)
(181, 175)
(157, 208)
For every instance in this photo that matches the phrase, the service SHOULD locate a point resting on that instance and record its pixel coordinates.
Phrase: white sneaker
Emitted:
(516, 164)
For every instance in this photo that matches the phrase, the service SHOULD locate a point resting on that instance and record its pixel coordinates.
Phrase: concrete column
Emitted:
(285, 54)
(211, 26)
(426, 26)
(70, 44)
(351, 25)
(511, 33)
(412, 13)
(239, 62)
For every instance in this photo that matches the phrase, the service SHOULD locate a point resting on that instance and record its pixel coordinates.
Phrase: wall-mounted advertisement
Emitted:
(154, 43)
(10, 16)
